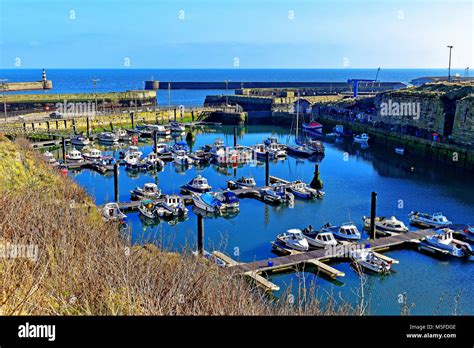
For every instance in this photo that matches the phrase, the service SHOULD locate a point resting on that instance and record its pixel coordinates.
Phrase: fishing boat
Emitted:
(299, 151)
(313, 126)
(180, 157)
(105, 164)
(198, 184)
(384, 225)
(245, 182)
(301, 190)
(153, 161)
(180, 146)
(276, 151)
(175, 204)
(112, 212)
(206, 202)
(49, 157)
(316, 146)
(79, 140)
(400, 150)
(153, 210)
(444, 240)
(148, 191)
(276, 194)
(347, 231)
(361, 138)
(228, 199)
(318, 239)
(424, 220)
(92, 155)
(292, 239)
(368, 261)
(123, 136)
(74, 156)
(107, 138)
(176, 127)
(133, 162)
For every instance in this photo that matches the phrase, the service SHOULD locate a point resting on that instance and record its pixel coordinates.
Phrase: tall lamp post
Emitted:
(449, 68)
(3, 81)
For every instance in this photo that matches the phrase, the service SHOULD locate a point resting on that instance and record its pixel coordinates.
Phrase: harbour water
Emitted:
(350, 173)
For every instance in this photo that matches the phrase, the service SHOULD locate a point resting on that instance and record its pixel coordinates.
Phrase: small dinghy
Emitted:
(198, 184)
(92, 155)
(444, 240)
(148, 191)
(347, 231)
(79, 140)
(206, 202)
(301, 190)
(361, 138)
(368, 261)
(74, 156)
(292, 239)
(111, 212)
(424, 220)
(318, 239)
(153, 210)
(175, 204)
(245, 182)
(228, 199)
(386, 225)
(180, 157)
(107, 138)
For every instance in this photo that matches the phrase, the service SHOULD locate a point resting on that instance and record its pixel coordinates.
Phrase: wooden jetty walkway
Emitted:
(317, 258)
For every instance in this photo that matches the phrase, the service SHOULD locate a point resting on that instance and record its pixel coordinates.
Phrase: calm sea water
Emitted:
(428, 281)
(80, 80)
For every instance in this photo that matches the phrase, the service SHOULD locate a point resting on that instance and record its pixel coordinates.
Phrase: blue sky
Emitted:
(235, 33)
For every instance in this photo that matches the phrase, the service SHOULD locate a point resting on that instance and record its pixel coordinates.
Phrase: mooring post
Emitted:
(235, 136)
(155, 140)
(32, 125)
(116, 191)
(48, 126)
(132, 116)
(267, 168)
(111, 126)
(88, 131)
(316, 183)
(24, 126)
(63, 143)
(200, 228)
(192, 115)
(175, 114)
(57, 124)
(74, 125)
(373, 209)
(65, 124)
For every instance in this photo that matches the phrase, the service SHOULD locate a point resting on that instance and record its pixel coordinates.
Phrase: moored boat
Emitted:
(299, 151)
(444, 240)
(111, 212)
(105, 164)
(368, 261)
(107, 138)
(301, 190)
(206, 202)
(292, 239)
(175, 204)
(347, 231)
(148, 191)
(180, 146)
(245, 182)
(123, 136)
(313, 126)
(153, 161)
(198, 184)
(92, 155)
(79, 140)
(176, 127)
(424, 220)
(276, 151)
(386, 225)
(228, 199)
(153, 210)
(49, 157)
(316, 146)
(133, 162)
(74, 156)
(361, 138)
(319, 239)
(180, 157)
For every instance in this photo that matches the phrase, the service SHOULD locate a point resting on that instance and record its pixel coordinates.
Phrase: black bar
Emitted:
(267, 168)
(48, 126)
(155, 140)
(373, 209)
(235, 136)
(63, 143)
(116, 183)
(132, 116)
(175, 114)
(200, 239)
(88, 127)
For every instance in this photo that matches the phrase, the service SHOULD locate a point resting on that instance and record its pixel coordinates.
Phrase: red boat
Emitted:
(313, 126)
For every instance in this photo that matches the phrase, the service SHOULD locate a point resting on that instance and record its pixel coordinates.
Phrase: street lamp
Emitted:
(449, 68)
(4, 101)
(94, 81)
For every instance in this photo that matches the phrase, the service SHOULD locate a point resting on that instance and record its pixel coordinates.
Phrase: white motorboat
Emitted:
(123, 136)
(206, 202)
(154, 161)
(361, 138)
(318, 239)
(175, 204)
(228, 199)
(159, 129)
(107, 138)
(133, 150)
(49, 157)
(153, 210)
(424, 220)
(276, 151)
(79, 140)
(245, 182)
(367, 260)
(74, 156)
(347, 231)
(292, 239)
(301, 190)
(227, 155)
(162, 149)
(134, 162)
(180, 157)
(198, 184)
(111, 212)
(384, 225)
(276, 194)
(92, 155)
(443, 239)
(148, 191)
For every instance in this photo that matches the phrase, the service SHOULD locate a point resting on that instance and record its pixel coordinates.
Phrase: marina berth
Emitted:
(424, 220)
